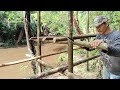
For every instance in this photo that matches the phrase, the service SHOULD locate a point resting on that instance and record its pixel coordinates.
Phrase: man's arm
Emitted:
(113, 47)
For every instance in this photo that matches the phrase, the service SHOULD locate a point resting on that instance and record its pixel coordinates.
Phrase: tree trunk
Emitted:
(79, 32)
(19, 37)
(31, 48)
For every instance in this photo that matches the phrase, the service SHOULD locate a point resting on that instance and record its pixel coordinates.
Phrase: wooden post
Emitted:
(38, 40)
(88, 39)
(70, 44)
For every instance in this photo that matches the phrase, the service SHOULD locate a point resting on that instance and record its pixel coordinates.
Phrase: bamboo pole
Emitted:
(62, 38)
(62, 68)
(70, 44)
(30, 59)
(102, 46)
(19, 61)
(88, 39)
(39, 66)
(25, 60)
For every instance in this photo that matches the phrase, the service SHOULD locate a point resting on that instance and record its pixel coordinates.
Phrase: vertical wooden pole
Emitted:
(38, 34)
(88, 39)
(70, 44)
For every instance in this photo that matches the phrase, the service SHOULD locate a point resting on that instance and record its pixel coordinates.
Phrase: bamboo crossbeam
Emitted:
(102, 46)
(30, 59)
(74, 37)
(62, 68)
(55, 39)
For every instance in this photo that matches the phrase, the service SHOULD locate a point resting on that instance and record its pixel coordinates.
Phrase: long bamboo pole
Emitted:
(55, 39)
(39, 66)
(88, 39)
(30, 59)
(70, 44)
(102, 46)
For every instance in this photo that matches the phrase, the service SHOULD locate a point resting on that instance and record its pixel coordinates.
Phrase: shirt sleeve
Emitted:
(113, 47)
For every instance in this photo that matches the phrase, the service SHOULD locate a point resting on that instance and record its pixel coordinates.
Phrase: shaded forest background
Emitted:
(12, 22)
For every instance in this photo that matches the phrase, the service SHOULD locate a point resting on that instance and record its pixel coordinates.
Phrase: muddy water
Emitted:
(23, 70)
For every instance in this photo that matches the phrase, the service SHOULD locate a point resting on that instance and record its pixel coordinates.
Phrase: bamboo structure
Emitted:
(62, 68)
(61, 40)
(80, 43)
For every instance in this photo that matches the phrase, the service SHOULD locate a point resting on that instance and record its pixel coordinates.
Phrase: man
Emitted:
(46, 30)
(110, 58)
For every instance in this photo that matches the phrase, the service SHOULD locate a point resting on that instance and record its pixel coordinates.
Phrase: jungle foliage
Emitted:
(57, 21)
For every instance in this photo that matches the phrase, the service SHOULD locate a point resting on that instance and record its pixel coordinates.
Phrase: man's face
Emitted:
(101, 29)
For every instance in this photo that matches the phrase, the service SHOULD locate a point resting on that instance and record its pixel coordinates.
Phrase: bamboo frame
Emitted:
(62, 68)
(56, 39)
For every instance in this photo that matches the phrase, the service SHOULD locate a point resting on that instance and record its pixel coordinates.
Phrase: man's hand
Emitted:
(96, 43)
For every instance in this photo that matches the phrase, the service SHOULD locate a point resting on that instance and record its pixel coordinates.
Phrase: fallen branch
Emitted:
(62, 68)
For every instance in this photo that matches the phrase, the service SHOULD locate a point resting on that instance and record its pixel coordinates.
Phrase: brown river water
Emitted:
(23, 70)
